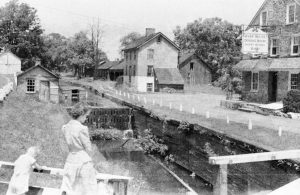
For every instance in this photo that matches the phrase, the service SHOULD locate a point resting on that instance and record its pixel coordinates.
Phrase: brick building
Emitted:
(268, 78)
(151, 55)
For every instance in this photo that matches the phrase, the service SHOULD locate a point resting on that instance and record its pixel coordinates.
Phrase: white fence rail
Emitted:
(5, 90)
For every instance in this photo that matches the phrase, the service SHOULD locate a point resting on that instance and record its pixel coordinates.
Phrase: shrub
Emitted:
(152, 144)
(291, 103)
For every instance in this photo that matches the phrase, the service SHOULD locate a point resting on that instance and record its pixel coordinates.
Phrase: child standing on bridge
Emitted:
(24, 165)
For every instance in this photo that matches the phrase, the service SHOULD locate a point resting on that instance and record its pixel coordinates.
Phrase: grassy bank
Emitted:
(25, 121)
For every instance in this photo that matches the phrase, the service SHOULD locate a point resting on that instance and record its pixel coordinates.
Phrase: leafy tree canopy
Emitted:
(214, 40)
(20, 31)
(129, 38)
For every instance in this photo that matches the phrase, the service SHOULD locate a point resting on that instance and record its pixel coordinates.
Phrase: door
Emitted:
(44, 93)
(272, 86)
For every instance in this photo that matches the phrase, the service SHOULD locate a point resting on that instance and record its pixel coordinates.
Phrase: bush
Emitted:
(291, 103)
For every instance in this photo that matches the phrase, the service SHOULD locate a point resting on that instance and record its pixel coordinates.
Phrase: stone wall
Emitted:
(261, 95)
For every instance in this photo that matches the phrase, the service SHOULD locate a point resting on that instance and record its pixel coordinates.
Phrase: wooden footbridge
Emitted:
(220, 186)
(117, 185)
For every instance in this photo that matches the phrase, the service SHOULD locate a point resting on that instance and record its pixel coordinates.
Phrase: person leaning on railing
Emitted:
(79, 177)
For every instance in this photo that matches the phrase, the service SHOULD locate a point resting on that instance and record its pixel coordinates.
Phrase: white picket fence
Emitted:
(5, 90)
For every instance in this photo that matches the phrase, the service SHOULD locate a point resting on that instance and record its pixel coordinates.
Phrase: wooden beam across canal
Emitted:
(220, 186)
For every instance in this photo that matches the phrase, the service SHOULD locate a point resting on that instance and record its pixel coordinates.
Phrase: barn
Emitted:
(194, 70)
(40, 82)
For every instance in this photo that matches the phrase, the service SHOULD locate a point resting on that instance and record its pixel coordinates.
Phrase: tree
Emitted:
(80, 55)
(20, 31)
(127, 39)
(214, 40)
(56, 51)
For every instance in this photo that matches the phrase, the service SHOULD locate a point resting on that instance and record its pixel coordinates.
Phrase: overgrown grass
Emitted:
(25, 122)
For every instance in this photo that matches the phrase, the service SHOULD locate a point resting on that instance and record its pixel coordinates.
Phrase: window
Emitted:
(150, 54)
(149, 87)
(192, 66)
(125, 70)
(291, 13)
(150, 71)
(130, 55)
(133, 70)
(30, 85)
(134, 56)
(75, 95)
(126, 56)
(254, 81)
(295, 45)
(274, 47)
(159, 39)
(263, 19)
(294, 81)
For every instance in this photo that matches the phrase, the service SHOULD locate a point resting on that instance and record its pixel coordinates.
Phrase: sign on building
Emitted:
(254, 41)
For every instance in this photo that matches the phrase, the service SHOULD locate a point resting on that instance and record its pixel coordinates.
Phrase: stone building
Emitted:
(147, 54)
(194, 70)
(268, 78)
(40, 82)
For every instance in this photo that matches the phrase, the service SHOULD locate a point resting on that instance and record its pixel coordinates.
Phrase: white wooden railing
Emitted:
(5, 90)
(118, 184)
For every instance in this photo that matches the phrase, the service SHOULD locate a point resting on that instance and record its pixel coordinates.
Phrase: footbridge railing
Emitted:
(118, 184)
(220, 186)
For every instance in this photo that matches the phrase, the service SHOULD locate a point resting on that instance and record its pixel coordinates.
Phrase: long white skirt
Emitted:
(79, 179)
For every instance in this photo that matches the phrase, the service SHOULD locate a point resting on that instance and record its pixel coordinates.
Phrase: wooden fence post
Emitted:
(220, 186)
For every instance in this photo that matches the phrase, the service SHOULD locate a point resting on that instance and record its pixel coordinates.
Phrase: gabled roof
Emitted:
(168, 76)
(108, 65)
(3, 53)
(34, 67)
(145, 39)
(262, 6)
(119, 66)
(187, 56)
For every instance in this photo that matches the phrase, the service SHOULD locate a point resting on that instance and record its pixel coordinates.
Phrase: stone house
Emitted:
(194, 70)
(40, 82)
(147, 54)
(268, 78)
(10, 65)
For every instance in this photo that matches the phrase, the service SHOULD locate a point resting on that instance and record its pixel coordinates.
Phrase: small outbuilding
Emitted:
(41, 82)
(194, 70)
(72, 94)
(10, 65)
(117, 70)
(166, 79)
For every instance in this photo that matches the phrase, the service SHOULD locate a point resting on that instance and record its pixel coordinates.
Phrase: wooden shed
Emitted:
(41, 82)
(72, 94)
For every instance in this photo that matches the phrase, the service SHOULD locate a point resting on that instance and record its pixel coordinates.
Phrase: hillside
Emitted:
(25, 121)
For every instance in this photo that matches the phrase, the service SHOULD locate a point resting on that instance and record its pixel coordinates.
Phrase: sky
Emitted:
(120, 17)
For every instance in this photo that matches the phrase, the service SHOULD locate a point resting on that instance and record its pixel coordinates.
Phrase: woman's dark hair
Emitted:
(78, 110)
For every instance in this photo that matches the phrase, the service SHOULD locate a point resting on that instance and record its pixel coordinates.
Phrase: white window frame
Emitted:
(34, 85)
(292, 45)
(290, 78)
(261, 18)
(272, 46)
(254, 90)
(288, 14)
(149, 87)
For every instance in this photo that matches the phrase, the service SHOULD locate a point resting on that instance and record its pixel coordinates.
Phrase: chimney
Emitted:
(37, 62)
(150, 31)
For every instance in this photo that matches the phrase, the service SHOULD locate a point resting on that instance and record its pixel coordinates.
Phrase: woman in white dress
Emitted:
(79, 174)
(24, 165)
